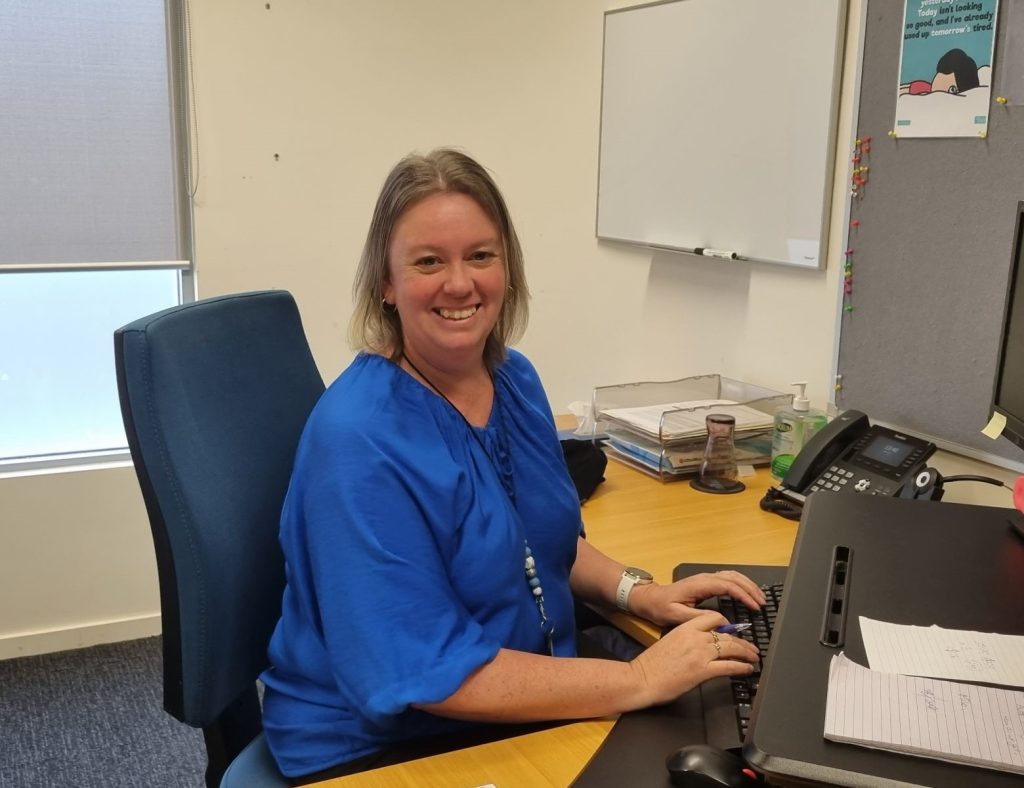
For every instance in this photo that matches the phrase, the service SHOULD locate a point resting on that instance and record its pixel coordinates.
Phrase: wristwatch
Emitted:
(631, 576)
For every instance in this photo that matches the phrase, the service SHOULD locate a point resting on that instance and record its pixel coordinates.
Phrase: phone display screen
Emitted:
(887, 451)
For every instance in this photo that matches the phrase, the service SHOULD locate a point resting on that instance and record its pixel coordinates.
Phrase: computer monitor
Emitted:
(1008, 391)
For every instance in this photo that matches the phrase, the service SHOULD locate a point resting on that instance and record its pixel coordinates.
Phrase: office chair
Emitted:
(214, 395)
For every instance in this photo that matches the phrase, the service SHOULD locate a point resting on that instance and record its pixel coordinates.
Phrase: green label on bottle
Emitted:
(780, 465)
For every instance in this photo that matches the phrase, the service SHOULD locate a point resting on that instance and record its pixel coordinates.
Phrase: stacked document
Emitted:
(897, 708)
(683, 457)
(675, 421)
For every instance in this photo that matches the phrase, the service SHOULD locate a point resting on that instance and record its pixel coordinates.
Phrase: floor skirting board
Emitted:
(26, 644)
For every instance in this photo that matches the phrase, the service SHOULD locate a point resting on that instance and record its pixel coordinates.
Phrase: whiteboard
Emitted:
(718, 126)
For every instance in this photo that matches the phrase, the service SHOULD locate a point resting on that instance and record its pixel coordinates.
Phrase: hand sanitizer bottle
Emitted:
(794, 426)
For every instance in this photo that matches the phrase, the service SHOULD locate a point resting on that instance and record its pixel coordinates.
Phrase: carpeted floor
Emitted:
(93, 717)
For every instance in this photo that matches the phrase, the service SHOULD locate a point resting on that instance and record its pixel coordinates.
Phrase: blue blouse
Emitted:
(404, 544)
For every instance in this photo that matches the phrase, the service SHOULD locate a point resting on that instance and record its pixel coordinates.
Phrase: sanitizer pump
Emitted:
(794, 426)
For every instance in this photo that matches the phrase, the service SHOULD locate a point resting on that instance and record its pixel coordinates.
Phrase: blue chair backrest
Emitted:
(214, 396)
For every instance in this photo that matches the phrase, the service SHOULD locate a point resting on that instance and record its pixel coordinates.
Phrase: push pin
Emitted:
(983, 134)
(1002, 100)
(892, 133)
(855, 223)
(848, 308)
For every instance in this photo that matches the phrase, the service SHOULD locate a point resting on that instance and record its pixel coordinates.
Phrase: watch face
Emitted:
(642, 575)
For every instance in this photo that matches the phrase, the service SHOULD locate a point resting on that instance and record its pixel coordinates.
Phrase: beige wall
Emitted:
(302, 109)
(338, 91)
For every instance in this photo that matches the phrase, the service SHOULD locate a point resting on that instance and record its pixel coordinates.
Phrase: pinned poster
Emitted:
(945, 82)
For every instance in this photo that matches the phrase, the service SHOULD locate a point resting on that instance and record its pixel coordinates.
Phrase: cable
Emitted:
(773, 502)
(971, 478)
(190, 90)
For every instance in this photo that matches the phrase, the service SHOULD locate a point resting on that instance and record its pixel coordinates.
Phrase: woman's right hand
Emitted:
(689, 655)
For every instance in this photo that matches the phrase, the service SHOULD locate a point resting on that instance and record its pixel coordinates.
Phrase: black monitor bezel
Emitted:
(1014, 428)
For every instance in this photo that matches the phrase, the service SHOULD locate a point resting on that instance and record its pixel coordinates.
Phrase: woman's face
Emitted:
(447, 280)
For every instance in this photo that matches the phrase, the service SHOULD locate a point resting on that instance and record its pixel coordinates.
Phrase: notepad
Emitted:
(945, 720)
(944, 653)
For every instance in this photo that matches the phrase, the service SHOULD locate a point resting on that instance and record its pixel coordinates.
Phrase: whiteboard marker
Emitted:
(716, 253)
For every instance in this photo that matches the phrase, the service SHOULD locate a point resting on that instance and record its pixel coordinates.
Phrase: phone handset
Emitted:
(824, 447)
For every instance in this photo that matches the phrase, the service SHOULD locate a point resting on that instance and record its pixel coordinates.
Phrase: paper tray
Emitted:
(660, 427)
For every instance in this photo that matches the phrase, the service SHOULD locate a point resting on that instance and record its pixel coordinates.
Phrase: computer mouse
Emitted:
(704, 766)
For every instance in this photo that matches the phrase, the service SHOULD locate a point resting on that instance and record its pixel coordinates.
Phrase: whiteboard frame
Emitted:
(825, 188)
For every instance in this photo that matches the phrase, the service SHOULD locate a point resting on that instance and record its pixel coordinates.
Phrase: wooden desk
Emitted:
(641, 522)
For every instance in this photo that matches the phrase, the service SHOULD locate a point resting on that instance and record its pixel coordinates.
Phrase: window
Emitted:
(95, 226)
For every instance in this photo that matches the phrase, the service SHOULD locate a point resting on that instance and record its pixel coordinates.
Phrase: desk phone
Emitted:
(851, 455)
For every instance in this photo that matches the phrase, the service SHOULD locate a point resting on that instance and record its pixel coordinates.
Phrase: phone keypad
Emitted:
(834, 478)
(837, 479)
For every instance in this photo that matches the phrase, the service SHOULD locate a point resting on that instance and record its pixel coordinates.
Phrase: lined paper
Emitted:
(945, 720)
(944, 653)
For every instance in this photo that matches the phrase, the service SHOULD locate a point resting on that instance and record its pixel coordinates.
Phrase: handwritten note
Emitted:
(960, 723)
(944, 653)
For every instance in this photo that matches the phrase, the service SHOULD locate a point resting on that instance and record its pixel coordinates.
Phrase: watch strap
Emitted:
(626, 583)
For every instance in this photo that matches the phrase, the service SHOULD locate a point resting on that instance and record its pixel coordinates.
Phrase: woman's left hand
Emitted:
(676, 603)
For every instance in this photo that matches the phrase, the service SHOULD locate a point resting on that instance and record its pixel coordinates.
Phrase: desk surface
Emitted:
(641, 522)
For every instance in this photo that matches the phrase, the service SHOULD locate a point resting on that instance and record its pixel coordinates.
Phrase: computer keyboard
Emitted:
(762, 621)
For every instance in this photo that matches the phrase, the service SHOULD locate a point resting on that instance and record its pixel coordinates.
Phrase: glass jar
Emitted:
(718, 472)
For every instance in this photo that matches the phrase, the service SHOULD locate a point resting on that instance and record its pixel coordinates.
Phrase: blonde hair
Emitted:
(414, 178)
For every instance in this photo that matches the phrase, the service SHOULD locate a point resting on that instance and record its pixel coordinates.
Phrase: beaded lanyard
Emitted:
(508, 485)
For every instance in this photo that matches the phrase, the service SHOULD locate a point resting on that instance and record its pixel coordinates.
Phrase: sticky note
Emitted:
(995, 425)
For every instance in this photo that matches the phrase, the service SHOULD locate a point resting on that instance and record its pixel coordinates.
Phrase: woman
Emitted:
(431, 532)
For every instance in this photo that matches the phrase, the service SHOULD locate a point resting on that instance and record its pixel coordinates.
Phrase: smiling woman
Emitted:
(442, 173)
(446, 280)
(430, 500)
